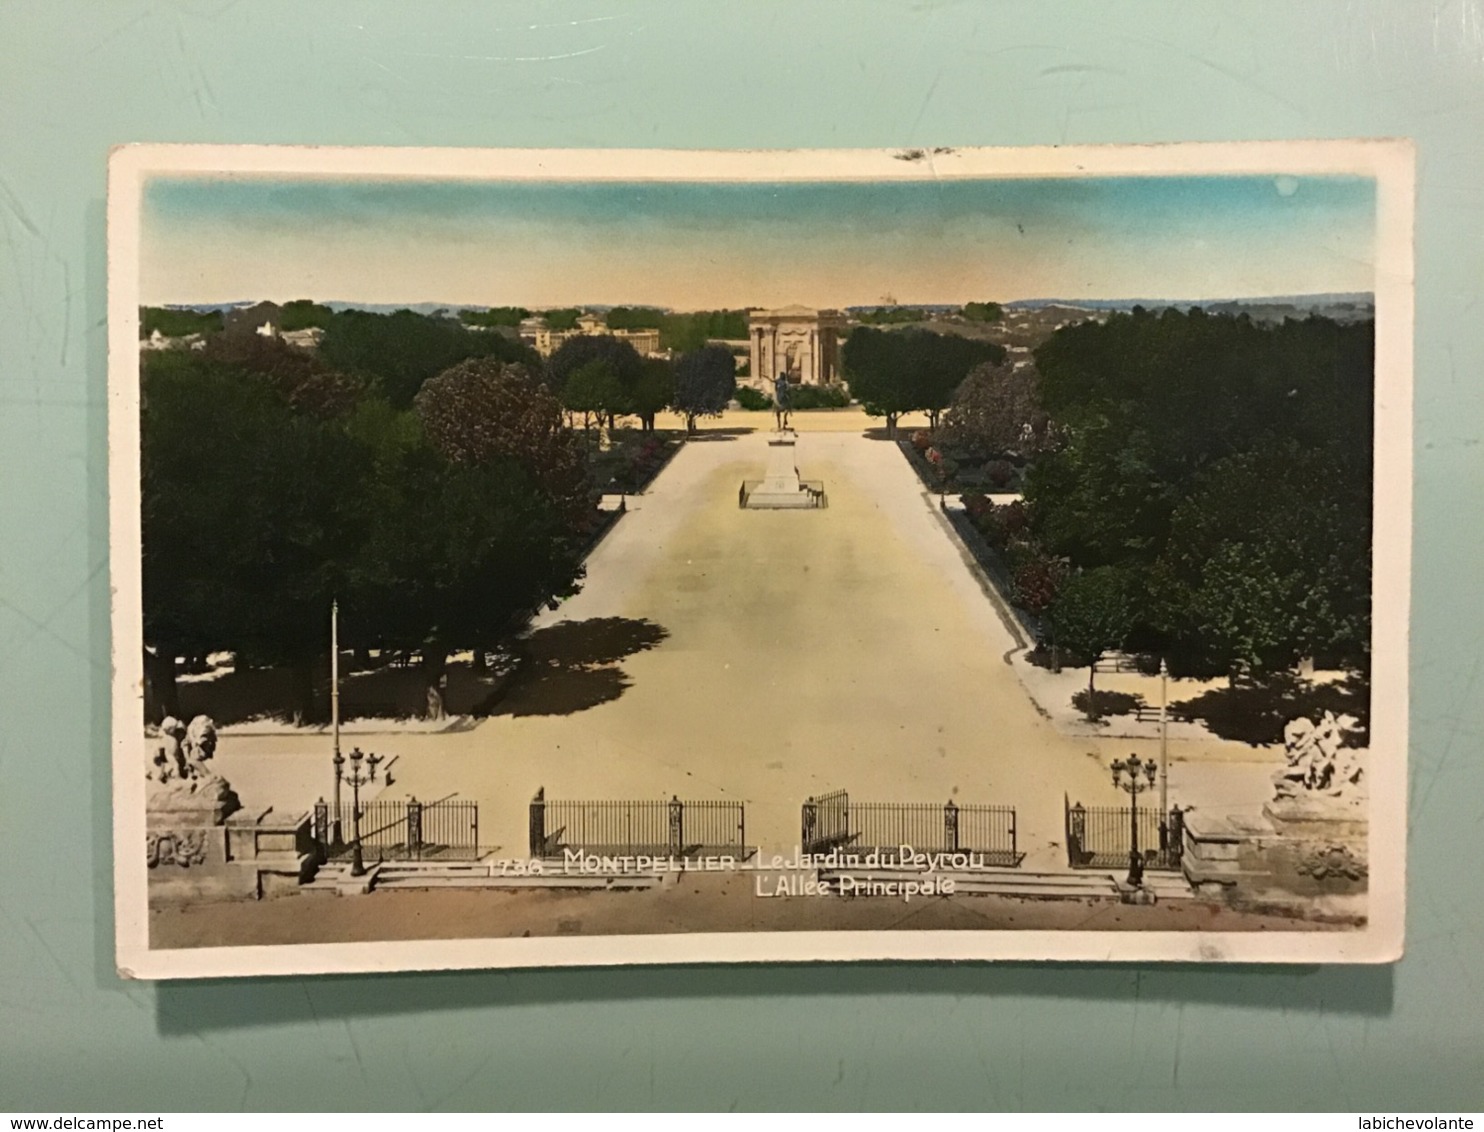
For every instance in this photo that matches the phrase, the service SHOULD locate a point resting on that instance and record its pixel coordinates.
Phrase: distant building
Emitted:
(545, 341)
(800, 342)
(158, 341)
(260, 318)
(306, 339)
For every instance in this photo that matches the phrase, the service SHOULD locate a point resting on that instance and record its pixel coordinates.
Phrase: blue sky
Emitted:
(693, 245)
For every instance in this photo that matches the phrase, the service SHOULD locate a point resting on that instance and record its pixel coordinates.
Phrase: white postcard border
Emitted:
(1389, 161)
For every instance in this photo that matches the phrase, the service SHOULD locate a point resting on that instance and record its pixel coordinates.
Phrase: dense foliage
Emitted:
(705, 381)
(996, 411)
(398, 352)
(494, 316)
(1224, 468)
(274, 483)
(752, 399)
(175, 323)
(903, 371)
(982, 312)
(889, 316)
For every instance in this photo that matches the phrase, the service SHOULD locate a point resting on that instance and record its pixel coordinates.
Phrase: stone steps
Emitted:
(427, 875)
(466, 874)
(1014, 882)
(424, 881)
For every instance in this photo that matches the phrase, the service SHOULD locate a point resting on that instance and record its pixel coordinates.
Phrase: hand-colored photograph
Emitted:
(532, 558)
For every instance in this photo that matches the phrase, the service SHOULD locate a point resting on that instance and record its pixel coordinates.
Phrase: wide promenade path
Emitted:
(803, 651)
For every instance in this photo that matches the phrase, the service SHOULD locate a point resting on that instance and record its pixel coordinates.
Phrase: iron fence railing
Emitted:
(651, 827)
(395, 830)
(1101, 837)
(832, 821)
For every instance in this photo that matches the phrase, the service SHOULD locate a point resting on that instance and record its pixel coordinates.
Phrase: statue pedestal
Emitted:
(1318, 815)
(200, 844)
(781, 489)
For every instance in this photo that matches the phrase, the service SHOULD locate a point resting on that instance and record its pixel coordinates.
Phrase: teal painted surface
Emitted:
(77, 77)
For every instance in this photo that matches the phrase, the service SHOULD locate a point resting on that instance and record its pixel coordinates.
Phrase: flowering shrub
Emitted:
(977, 506)
(1014, 519)
(1038, 579)
(922, 440)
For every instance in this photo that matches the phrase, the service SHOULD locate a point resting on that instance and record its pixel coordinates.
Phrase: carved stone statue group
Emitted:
(178, 772)
(1318, 762)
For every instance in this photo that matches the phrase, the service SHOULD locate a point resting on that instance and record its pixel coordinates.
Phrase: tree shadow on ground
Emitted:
(572, 666)
(1257, 713)
(718, 435)
(383, 691)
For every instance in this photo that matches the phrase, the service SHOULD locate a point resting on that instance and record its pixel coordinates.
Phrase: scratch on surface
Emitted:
(51, 952)
(921, 110)
(1447, 749)
(45, 626)
(66, 306)
(1179, 1042)
(507, 58)
(13, 203)
(1237, 76)
(1079, 69)
(355, 1048)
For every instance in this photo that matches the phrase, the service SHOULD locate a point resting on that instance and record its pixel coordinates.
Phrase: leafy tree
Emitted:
(635, 318)
(982, 312)
(1261, 569)
(252, 513)
(302, 378)
(705, 380)
(875, 370)
(653, 392)
(494, 316)
(177, 323)
(564, 318)
(399, 351)
(594, 388)
(1228, 465)
(460, 556)
(684, 333)
(895, 372)
(301, 314)
(996, 410)
(1093, 613)
(619, 358)
(482, 410)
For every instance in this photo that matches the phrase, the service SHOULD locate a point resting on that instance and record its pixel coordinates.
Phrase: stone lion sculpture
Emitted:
(179, 772)
(1318, 762)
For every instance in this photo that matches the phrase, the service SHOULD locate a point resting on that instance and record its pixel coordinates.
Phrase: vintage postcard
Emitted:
(540, 558)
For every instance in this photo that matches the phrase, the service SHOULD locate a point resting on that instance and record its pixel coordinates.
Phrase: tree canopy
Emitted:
(398, 352)
(705, 380)
(494, 316)
(895, 372)
(302, 314)
(996, 410)
(264, 498)
(1227, 466)
(175, 322)
(982, 312)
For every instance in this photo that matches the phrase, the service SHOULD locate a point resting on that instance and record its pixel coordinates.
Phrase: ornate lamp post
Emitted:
(1164, 740)
(357, 776)
(1134, 776)
(337, 837)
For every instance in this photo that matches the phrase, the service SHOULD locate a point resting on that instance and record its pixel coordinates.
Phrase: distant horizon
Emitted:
(427, 305)
(689, 245)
